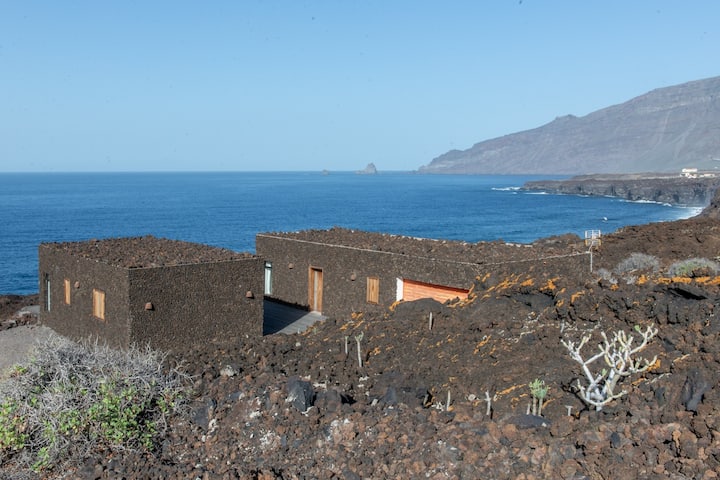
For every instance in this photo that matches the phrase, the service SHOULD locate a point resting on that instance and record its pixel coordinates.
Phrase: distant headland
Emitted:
(690, 187)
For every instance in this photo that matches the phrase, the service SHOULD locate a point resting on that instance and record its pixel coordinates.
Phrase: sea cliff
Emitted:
(692, 190)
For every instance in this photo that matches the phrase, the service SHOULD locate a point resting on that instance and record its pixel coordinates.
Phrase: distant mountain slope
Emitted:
(664, 130)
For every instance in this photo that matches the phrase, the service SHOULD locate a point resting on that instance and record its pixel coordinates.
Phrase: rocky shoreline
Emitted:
(672, 189)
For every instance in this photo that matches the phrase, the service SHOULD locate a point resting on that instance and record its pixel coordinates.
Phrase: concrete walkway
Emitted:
(17, 343)
(282, 318)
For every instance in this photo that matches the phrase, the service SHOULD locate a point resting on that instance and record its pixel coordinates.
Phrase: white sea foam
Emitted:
(688, 212)
(665, 204)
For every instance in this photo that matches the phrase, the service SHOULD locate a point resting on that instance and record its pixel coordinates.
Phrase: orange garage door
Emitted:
(413, 290)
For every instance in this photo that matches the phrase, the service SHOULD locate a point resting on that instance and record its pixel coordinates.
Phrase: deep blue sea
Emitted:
(228, 209)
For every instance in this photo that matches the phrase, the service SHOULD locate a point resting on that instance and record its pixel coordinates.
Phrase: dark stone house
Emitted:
(174, 294)
(339, 271)
(146, 290)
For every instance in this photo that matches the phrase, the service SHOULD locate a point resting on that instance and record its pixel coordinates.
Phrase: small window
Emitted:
(268, 278)
(98, 299)
(66, 285)
(373, 289)
(47, 292)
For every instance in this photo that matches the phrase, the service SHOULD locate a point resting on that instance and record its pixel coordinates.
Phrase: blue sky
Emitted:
(305, 85)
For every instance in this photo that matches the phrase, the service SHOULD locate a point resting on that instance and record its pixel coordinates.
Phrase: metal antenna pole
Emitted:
(592, 239)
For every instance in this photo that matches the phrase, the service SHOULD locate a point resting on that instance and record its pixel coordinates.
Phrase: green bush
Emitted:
(71, 399)
(694, 267)
(12, 436)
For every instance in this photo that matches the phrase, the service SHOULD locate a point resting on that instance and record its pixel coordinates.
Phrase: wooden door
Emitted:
(315, 287)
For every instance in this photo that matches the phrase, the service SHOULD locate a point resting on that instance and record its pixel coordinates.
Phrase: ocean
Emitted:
(227, 209)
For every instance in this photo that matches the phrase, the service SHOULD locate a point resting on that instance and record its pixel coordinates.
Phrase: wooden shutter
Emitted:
(413, 290)
(98, 299)
(373, 290)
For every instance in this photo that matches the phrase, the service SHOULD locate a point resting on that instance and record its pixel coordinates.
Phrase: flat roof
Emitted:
(480, 252)
(147, 252)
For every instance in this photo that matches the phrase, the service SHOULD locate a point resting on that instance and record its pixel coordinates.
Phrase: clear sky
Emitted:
(311, 85)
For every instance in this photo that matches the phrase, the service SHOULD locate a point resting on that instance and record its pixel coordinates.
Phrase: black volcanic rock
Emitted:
(665, 130)
(673, 189)
(713, 209)
(417, 408)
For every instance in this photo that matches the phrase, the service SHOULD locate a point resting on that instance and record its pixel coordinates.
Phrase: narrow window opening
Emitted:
(268, 278)
(66, 285)
(47, 292)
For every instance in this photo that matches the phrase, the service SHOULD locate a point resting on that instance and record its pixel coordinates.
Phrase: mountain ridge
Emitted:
(664, 130)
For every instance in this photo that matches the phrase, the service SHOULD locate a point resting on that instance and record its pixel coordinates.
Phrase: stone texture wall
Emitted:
(179, 306)
(346, 269)
(169, 306)
(76, 320)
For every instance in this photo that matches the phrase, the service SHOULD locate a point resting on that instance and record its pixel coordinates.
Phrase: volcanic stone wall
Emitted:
(76, 319)
(165, 293)
(179, 306)
(345, 272)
